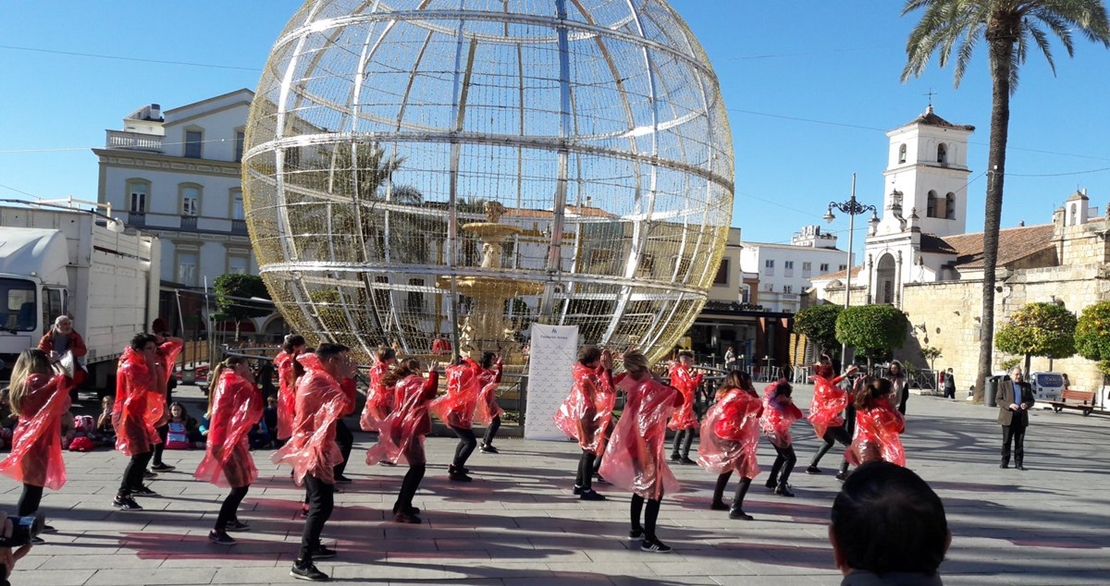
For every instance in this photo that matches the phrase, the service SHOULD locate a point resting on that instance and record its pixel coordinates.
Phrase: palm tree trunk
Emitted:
(1001, 40)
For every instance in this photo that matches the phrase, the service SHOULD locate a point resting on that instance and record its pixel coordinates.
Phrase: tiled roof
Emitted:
(838, 274)
(1013, 244)
(931, 119)
(932, 243)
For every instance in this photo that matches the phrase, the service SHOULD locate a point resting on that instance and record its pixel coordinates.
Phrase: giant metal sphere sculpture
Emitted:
(469, 168)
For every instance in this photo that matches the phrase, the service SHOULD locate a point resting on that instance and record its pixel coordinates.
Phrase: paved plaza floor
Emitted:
(518, 523)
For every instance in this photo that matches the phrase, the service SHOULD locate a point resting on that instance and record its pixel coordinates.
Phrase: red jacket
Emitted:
(76, 344)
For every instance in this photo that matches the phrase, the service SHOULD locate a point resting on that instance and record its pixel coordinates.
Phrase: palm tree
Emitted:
(1009, 28)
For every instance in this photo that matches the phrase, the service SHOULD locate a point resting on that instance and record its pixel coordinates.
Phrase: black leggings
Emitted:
(650, 516)
(346, 441)
(491, 431)
(467, 443)
(585, 476)
(784, 464)
(230, 506)
(29, 500)
(321, 502)
(832, 435)
(158, 448)
(408, 488)
(133, 474)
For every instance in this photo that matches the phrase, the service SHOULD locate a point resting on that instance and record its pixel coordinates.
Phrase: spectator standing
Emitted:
(949, 385)
(62, 338)
(1015, 398)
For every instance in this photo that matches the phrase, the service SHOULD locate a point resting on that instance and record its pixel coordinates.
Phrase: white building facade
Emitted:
(785, 270)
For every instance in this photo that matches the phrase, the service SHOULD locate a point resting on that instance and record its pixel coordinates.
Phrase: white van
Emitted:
(1047, 386)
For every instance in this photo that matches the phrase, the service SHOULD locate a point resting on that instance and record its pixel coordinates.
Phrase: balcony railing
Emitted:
(238, 226)
(137, 219)
(118, 139)
(188, 222)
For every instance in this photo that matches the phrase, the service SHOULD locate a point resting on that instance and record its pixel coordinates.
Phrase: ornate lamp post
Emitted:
(853, 208)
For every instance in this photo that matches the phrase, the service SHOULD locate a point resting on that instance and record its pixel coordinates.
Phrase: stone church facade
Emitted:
(919, 258)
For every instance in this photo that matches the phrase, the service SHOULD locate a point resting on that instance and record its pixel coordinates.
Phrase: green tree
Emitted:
(1009, 28)
(931, 354)
(1038, 329)
(1092, 335)
(818, 323)
(234, 294)
(874, 330)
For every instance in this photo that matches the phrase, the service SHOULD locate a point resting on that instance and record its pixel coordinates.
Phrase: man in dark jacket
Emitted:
(1015, 398)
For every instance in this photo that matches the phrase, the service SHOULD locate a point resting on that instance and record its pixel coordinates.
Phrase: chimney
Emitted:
(156, 112)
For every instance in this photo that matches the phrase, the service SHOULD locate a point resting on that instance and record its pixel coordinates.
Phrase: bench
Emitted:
(1085, 401)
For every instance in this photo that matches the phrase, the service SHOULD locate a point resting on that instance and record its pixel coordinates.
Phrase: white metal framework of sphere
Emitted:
(470, 167)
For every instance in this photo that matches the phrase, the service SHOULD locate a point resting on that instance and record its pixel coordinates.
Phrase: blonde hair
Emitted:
(30, 362)
(635, 364)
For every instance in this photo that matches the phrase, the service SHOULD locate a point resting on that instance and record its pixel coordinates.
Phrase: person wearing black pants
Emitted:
(160, 328)
(346, 441)
(467, 442)
(587, 412)
(321, 503)
(832, 436)
(491, 432)
(489, 412)
(779, 413)
(456, 409)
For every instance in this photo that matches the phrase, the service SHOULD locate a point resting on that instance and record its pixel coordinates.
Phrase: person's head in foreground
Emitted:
(887, 520)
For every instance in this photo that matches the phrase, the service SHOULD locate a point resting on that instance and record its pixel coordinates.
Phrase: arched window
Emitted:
(189, 194)
(942, 154)
(902, 153)
(931, 205)
(138, 195)
(950, 206)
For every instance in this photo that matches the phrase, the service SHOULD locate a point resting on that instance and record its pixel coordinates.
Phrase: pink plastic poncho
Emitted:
(829, 401)
(379, 400)
(730, 434)
(321, 401)
(777, 419)
(287, 397)
(457, 407)
(236, 407)
(877, 435)
(587, 410)
(634, 458)
(402, 433)
(36, 457)
(140, 405)
(487, 399)
(687, 384)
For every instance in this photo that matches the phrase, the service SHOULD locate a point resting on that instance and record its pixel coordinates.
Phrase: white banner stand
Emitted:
(552, 355)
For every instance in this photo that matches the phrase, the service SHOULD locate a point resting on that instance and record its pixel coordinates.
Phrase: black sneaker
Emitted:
(126, 503)
(813, 470)
(48, 529)
(220, 537)
(654, 546)
(340, 479)
(489, 449)
(636, 535)
(686, 460)
(458, 477)
(842, 476)
(307, 571)
(36, 540)
(739, 514)
(162, 467)
(406, 517)
(577, 490)
(676, 458)
(323, 553)
(149, 474)
(784, 490)
(591, 495)
(237, 525)
(143, 491)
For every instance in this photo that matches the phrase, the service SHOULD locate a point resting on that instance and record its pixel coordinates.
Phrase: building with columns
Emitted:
(920, 259)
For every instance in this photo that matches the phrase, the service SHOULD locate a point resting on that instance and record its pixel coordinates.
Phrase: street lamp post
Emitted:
(853, 208)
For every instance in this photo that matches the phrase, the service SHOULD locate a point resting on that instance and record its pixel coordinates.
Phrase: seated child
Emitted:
(105, 431)
(184, 431)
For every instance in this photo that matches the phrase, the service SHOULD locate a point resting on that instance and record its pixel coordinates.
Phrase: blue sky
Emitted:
(811, 89)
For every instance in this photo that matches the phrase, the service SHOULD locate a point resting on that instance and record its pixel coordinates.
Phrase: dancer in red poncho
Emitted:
(825, 413)
(39, 396)
(729, 439)
(379, 400)
(285, 364)
(878, 425)
(489, 412)
(402, 433)
(634, 458)
(456, 409)
(586, 413)
(684, 421)
(140, 408)
(779, 413)
(312, 451)
(234, 405)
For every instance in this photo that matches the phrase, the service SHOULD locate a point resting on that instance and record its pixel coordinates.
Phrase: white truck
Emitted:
(56, 258)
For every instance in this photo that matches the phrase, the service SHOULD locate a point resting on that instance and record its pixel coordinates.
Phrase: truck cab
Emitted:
(33, 285)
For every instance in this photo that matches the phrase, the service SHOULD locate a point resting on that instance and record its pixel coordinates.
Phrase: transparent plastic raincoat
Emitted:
(587, 410)
(379, 400)
(730, 434)
(457, 407)
(321, 401)
(36, 457)
(877, 435)
(829, 401)
(236, 406)
(487, 399)
(140, 405)
(402, 433)
(687, 384)
(633, 458)
(777, 418)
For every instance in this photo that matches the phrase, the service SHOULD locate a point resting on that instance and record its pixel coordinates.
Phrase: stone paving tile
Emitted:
(518, 524)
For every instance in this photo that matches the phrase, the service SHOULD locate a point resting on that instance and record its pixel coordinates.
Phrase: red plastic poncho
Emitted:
(587, 410)
(730, 434)
(379, 400)
(457, 407)
(877, 435)
(402, 433)
(634, 458)
(687, 384)
(321, 401)
(829, 401)
(287, 397)
(141, 398)
(36, 457)
(777, 419)
(236, 407)
(487, 399)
